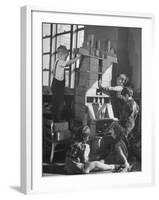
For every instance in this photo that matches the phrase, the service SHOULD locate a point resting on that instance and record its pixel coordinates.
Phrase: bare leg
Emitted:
(97, 165)
(119, 149)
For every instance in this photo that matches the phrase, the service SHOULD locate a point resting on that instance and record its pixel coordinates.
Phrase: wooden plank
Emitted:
(47, 121)
(80, 99)
(94, 61)
(61, 126)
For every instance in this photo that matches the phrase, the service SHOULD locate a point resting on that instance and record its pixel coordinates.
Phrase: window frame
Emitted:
(54, 34)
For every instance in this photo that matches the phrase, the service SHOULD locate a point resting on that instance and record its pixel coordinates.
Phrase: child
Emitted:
(77, 158)
(58, 83)
(78, 154)
(117, 99)
(129, 111)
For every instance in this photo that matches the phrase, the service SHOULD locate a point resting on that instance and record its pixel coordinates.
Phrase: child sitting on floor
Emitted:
(77, 158)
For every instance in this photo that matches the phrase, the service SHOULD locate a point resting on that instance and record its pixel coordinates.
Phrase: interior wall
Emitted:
(103, 34)
(134, 56)
(127, 43)
(119, 41)
(122, 51)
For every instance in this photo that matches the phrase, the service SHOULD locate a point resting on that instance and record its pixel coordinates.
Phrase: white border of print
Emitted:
(31, 101)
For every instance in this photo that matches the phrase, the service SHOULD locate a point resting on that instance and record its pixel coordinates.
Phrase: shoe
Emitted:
(118, 167)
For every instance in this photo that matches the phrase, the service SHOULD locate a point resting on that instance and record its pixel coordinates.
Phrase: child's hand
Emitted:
(106, 88)
(75, 51)
(53, 72)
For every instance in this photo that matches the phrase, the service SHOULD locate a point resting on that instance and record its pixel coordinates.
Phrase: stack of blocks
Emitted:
(92, 69)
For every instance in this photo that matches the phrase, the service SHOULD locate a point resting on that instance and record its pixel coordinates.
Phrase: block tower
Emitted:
(91, 104)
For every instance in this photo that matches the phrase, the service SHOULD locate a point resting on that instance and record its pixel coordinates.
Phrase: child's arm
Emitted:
(70, 62)
(86, 153)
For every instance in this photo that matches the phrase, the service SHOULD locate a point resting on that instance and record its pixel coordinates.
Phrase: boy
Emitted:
(117, 99)
(77, 158)
(129, 111)
(58, 83)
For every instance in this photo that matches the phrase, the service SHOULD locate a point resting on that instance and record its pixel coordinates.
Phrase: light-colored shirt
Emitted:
(59, 69)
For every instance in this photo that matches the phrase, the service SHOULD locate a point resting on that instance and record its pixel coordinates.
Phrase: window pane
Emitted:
(63, 28)
(46, 29)
(64, 40)
(66, 78)
(80, 26)
(46, 45)
(46, 59)
(45, 78)
(80, 38)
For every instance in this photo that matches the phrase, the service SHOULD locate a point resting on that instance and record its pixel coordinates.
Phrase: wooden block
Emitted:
(80, 99)
(91, 112)
(106, 83)
(93, 128)
(79, 106)
(84, 51)
(79, 115)
(88, 83)
(92, 84)
(61, 126)
(94, 61)
(81, 91)
(62, 135)
(83, 75)
(88, 75)
(110, 111)
(94, 68)
(96, 144)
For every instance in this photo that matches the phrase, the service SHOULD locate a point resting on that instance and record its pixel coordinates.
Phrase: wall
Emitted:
(134, 55)
(103, 34)
(119, 39)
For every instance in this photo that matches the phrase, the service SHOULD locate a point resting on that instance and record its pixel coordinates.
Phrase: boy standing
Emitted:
(116, 98)
(129, 111)
(58, 83)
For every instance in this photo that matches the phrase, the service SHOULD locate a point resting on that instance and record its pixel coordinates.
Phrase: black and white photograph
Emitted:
(91, 99)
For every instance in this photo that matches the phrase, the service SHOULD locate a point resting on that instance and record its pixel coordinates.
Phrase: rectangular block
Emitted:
(81, 91)
(94, 68)
(88, 83)
(79, 99)
(85, 67)
(84, 51)
(80, 108)
(106, 83)
(80, 115)
(94, 61)
(61, 126)
(62, 135)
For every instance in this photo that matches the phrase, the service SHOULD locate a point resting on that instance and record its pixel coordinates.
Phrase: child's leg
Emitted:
(99, 165)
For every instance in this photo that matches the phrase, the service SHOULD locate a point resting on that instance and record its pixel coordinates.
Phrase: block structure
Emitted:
(90, 102)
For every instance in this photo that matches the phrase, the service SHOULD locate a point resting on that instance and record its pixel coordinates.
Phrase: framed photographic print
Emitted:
(86, 111)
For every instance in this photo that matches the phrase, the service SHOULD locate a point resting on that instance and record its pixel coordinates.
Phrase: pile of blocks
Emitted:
(95, 66)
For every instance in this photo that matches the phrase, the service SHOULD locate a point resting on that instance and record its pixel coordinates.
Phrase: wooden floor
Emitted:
(57, 169)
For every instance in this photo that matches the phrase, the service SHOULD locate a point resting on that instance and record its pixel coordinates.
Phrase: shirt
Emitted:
(79, 152)
(129, 112)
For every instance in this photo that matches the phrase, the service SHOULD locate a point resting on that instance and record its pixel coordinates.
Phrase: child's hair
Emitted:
(125, 78)
(62, 49)
(84, 132)
(118, 130)
(127, 90)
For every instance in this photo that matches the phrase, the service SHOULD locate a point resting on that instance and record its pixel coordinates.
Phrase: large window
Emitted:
(54, 35)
